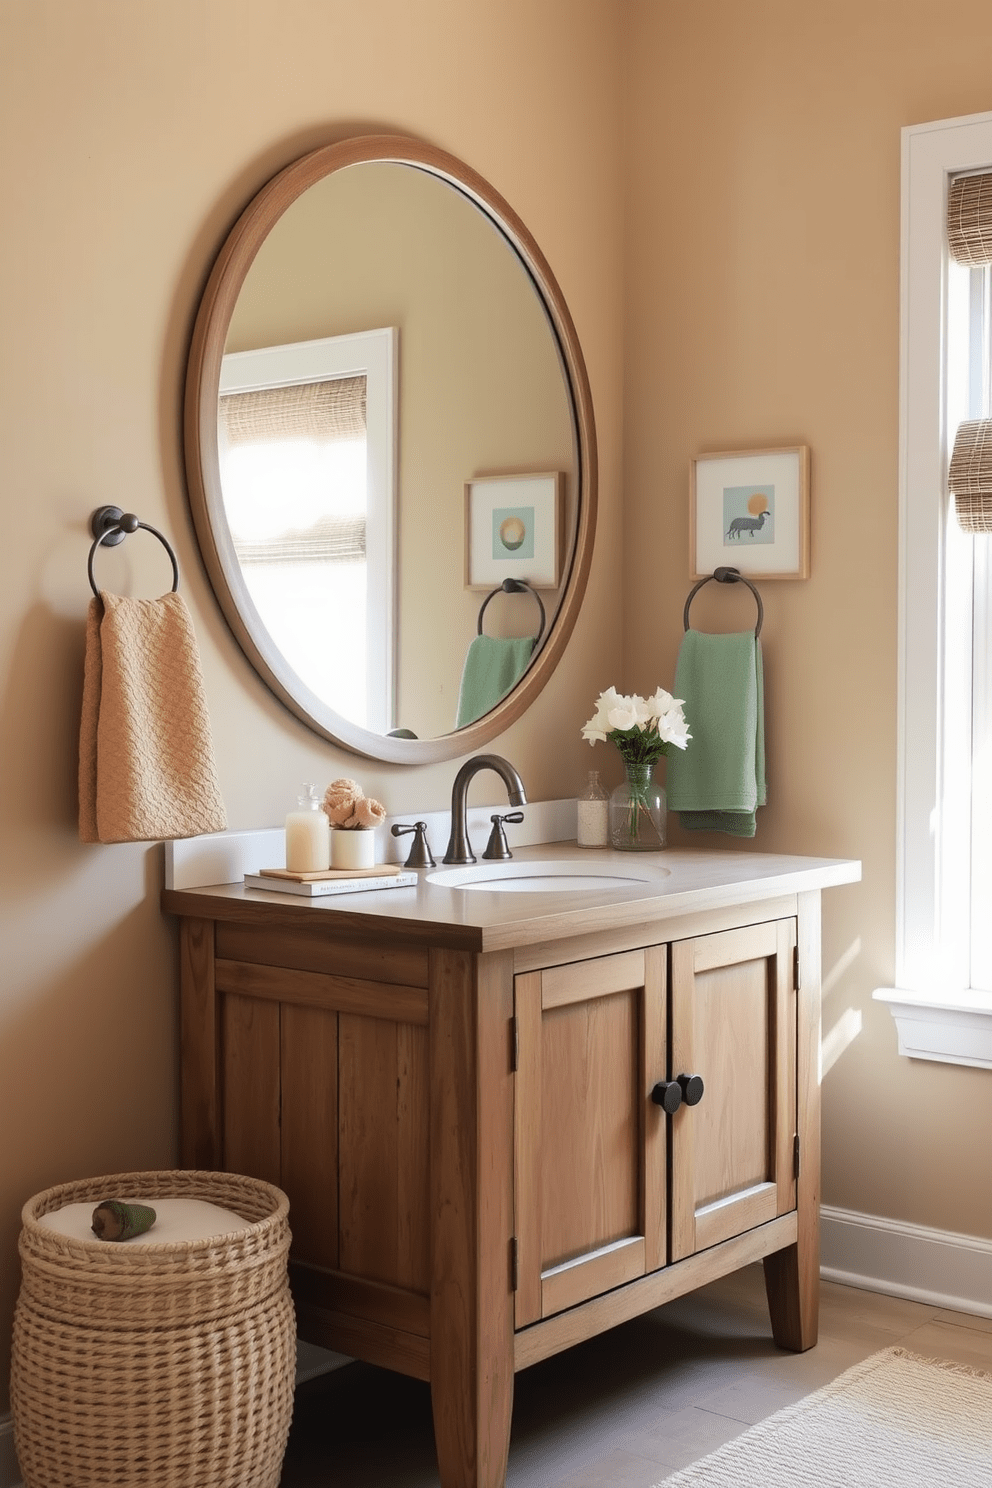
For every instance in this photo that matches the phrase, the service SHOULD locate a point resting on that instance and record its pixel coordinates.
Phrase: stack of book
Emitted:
(332, 880)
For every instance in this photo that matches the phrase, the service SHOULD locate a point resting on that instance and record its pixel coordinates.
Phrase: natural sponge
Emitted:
(346, 805)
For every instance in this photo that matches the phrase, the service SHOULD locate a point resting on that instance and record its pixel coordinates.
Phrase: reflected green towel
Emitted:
(493, 666)
(718, 782)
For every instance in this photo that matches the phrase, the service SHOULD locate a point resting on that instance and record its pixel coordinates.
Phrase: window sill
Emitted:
(956, 1029)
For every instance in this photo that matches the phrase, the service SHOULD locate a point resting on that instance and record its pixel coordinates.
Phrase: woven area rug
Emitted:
(895, 1421)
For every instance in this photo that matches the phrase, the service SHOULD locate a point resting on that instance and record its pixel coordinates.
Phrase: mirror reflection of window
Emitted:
(308, 496)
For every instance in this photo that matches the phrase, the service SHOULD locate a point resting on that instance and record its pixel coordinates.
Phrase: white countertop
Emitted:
(681, 882)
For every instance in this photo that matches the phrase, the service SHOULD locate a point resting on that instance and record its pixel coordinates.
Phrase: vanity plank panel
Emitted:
(236, 904)
(613, 1266)
(786, 1034)
(732, 1143)
(317, 989)
(585, 1320)
(579, 980)
(413, 1175)
(676, 927)
(309, 1131)
(733, 947)
(333, 1291)
(472, 1210)
(199, 1136)
(361, 1338)
(741, 1211)
(301, 950)
(653, 1066)
(733, 1023)
(383, 1189)
(250, 1087)
(589, 1130)
(792, 1276)
(527, 1163)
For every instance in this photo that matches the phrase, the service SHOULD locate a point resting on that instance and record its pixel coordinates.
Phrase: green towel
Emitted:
(717, 783)
(493, 666)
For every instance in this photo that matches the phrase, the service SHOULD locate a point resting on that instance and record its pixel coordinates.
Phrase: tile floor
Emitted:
(628, 1408)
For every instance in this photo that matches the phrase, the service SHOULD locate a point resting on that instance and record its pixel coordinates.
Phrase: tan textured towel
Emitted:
(146, 762)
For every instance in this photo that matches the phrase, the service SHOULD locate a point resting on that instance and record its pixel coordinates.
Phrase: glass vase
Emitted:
(638, 810)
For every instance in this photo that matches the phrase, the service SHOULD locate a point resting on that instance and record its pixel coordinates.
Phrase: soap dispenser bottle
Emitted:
(308, 835)
(592, 816)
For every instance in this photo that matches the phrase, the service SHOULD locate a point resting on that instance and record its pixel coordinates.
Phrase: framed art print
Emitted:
(749, 510)
(512, 530)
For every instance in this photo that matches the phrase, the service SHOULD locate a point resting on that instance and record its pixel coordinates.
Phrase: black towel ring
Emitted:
(725, 576)
(516, 586)
(109, 526)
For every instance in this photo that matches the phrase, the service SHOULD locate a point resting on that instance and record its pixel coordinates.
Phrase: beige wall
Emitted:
(132, 134)
(763, 308)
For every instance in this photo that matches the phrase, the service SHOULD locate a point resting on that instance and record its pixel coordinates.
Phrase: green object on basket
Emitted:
(493, 666)
(719, 781)
(115, 1220)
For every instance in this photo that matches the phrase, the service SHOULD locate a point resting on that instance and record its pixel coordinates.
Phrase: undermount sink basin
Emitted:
(547, 877)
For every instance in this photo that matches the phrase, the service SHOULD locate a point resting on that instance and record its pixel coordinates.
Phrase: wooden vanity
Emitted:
(455, 1090)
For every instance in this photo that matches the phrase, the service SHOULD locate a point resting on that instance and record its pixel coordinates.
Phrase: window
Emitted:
(306, 437)
(943, 1001)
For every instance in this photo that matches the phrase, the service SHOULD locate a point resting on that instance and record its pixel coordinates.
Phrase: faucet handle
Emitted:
(420, 852)
(498, 847)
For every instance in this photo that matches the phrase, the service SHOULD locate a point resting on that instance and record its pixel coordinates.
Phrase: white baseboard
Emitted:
(10, 1473)
(906, 1260)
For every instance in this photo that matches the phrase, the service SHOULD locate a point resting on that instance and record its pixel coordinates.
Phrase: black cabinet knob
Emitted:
(668, 1095)
(692, 1089)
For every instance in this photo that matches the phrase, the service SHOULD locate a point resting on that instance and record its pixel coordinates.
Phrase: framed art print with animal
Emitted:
(749, 510)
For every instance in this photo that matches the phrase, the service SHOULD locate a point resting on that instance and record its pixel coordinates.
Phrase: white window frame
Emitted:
(938, 1016)
(374, 355)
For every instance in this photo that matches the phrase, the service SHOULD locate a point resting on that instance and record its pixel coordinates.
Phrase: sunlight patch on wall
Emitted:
(839, 1039)
(842, 965)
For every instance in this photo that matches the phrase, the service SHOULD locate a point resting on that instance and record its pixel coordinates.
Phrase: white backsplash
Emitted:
(225, 857)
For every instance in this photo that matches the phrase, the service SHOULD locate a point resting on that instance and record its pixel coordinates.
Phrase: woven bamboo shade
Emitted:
(331, 540)
(327, 410)
(970, 475)
(969, 219)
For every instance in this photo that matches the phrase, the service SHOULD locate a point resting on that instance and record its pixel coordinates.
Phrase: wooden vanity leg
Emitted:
(792, 1276)
(471, 1347)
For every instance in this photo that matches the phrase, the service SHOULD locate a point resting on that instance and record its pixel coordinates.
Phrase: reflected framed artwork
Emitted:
(513, 530)
(749, 510)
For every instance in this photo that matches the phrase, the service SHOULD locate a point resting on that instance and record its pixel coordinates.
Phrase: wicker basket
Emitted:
(156, 1366)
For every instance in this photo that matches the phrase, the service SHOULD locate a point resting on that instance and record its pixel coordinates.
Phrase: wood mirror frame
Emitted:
(203, 468)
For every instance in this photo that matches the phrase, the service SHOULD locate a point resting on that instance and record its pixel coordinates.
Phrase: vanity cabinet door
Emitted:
(733, 1022)
(590, 1147)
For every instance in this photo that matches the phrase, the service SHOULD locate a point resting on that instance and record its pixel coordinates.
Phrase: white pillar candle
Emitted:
(308, 836)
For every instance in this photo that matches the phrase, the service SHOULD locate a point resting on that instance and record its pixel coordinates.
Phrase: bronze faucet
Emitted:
(459, 847)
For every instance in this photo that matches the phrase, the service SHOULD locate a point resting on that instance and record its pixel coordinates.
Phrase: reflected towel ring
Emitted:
(109, 526)
(516, 586)
(725, 576)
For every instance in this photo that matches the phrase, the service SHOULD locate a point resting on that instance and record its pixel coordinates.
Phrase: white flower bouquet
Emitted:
(642, 730)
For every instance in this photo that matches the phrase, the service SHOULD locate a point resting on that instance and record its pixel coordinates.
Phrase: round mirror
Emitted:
(390, 450)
